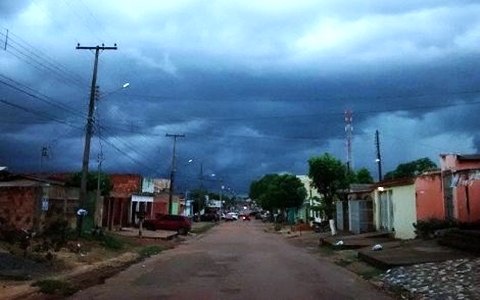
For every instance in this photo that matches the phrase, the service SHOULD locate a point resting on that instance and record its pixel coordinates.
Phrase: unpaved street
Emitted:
(236, 260)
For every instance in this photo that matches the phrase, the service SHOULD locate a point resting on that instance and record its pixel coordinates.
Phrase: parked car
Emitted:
(231, 216)
(180, 224)
(209, 217)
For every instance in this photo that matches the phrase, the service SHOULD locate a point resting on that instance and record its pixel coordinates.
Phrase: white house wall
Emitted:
(404, 210)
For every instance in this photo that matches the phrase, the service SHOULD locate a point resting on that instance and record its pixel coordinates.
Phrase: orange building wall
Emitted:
(124, 185)
(429, 197)
(463, 212)
(451, 162)
(160, 204)
(19, 206)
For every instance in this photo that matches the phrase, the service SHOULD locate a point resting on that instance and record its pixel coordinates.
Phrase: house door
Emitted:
(386, 211)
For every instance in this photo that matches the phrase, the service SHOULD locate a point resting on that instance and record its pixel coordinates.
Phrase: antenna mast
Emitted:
(348, 137)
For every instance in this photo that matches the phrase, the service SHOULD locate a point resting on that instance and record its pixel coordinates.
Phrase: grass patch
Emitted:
(343, 262)
(204, 228)
(55, 287)
(16, 277)
(113, 243)
(326, 250)
(370, 273)
(150, 250)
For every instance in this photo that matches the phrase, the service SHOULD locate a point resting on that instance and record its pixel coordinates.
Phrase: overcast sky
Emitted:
(256, 86)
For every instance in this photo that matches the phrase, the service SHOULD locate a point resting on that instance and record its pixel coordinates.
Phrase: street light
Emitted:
(124, 86)
(88, 136)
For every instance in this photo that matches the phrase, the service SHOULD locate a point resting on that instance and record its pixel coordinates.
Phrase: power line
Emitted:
(38, 114)
(295, 99)
(89, 126)
(127, 155)
(41, 63)
(92, 29)
(324, 114)
(46, 99)
(100, 25)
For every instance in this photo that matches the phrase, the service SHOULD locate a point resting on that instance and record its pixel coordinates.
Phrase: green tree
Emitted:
(92, 182)
(274, 191)
(363, 176)
(199, 202)
(328, 175)
(412, 168)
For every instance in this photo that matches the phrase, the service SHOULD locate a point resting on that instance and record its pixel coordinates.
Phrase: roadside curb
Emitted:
(26, 289)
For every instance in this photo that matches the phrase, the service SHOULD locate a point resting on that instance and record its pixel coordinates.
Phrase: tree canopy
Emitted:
(363, 176)
(411, 169)
(92, 182)
(328, 175)
(278, 191)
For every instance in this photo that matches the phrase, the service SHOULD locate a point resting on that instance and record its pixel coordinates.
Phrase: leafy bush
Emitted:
(427, 228)
(51, 286)
(150, 250)
(56, 235)
(112, 242)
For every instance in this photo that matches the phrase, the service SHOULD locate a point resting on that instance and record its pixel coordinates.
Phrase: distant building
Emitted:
(310, 209)
(32, 203)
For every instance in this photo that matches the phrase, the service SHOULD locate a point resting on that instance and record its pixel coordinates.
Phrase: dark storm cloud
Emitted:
(256, 87)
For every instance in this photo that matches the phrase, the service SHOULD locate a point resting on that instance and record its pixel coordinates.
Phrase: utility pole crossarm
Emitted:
(96, 47)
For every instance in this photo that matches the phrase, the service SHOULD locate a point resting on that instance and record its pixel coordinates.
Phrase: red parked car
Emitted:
(180, 224)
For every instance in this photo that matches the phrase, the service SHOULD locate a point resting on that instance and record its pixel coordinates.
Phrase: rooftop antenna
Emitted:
(348, 138)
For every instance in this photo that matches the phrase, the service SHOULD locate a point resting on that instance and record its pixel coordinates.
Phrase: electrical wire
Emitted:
(38, 113)
(42, 98)
(125, 154)
(41, 64)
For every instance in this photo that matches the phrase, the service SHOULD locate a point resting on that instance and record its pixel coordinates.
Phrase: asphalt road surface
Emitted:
(235, 260)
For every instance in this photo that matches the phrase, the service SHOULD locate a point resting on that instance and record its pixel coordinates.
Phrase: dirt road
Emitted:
(236, 260)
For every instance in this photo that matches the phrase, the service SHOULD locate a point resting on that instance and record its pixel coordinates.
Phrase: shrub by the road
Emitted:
(57, 287)
(150, 250)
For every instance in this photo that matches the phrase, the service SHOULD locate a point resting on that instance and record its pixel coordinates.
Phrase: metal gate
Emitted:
(448, 196)
(386, 210)
(361, 216)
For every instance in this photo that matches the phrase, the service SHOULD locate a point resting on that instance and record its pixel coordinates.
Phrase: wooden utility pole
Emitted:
(172, 171)
(89, 129)
(379, 158)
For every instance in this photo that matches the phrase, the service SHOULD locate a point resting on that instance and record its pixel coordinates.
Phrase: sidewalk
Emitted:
(394, 253)
(148, 234)
(163, 234)
(345, 240)
(411, 252)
